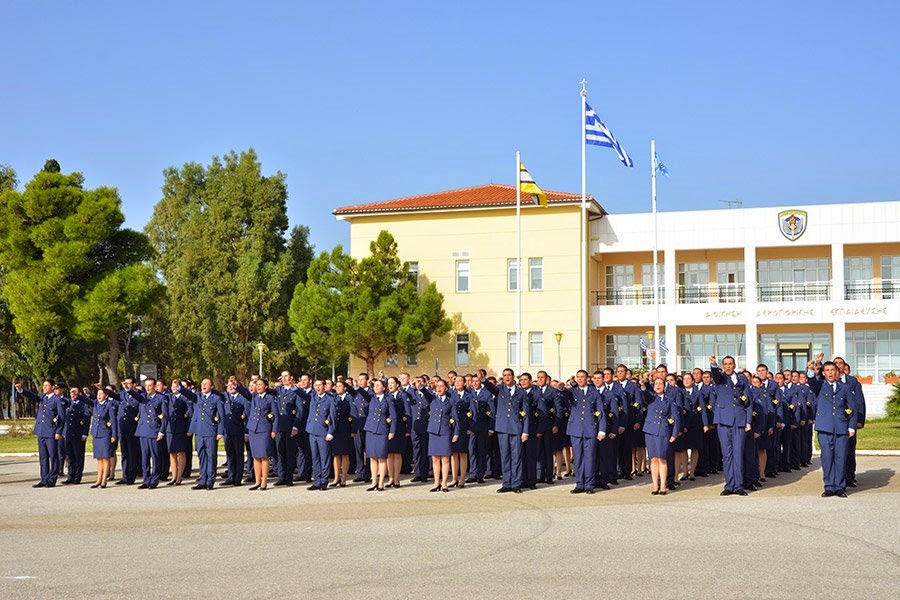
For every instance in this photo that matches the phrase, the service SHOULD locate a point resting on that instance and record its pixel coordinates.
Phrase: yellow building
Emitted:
(465, 242)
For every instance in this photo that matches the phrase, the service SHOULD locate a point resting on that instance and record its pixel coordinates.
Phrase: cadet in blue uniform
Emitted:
(547, 428)
(77, 424)
(810, 404)
(397, 444)
(465, 414)
(859, 400)
(342, 444)
(443, 431)
(630, 394)
(48, 428)
(662, 423)
(693, 424)
(129, 445)
(235, 406)
(207, 428)
(380, 427)
(104, 431)
(512, 422)
(361, 397)
(419, 403)
(320, 425)
(586, 427)
(482, 430)
(606, 448)
(150, 431)
(179, 411)
(261, 431)
(733, 415)
(287, 427)
(835, 421)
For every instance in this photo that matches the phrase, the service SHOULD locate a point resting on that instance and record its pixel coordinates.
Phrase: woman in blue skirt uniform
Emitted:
(562, 445)
(260, 432)
(380, 428)
(342, 444)
(662, 423)
(443, 431)
(693, 424)
(397, 444)
(638, 445)
(459, 450)
(179, 410)
(105, 431)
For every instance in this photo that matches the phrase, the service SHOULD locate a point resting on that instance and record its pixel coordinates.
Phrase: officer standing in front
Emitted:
(48, 428)
(733, 418)
(207, 427)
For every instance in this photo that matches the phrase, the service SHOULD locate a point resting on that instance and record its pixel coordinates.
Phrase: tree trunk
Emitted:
(370, 364)
(112, 362)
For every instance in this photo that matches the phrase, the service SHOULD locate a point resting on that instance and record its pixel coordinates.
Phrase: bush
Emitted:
(893, 402)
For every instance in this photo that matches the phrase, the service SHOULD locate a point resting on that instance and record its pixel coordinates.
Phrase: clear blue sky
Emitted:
(771, 102)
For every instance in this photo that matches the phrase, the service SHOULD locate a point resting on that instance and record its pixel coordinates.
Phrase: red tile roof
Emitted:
(491, 195)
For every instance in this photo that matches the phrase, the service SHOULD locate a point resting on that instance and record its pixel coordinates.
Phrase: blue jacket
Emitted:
(179, 410)
(127, 411)
(694, 405)
(288, 410)
(417, 403)
(733, 406)
(261, 413)
(553, 405)
(587, 416)
(151, 419)
(858, 397)
(465, 409)
(344, 415)
(78, 419)
(360, 408)
(663, 416)
(104, 423)
(48, 421)
(382, 417)
(235, 407)
(484, 402)
(322, 418)
(443, 416)
(209, 416)
(708, 393)
(836, 409)
(513, 414)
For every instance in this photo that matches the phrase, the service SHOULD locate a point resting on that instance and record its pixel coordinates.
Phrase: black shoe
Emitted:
(501, 490)
(628, 478)
(210, 486)
(121, 482)
(436, 488)
(313, 488)
(480, 480)
(279, 483)
(67, 482)
(517, 490)
(827, 494)
(170, 483)
(254, 488)
(153, 486)
(199, 486)
(741, 492)
(603, 486)
(533, 486)
(702, 474)
(225, 483)
(851, 484)
(359, 480)
(725, 493)
(615, 482)
(663, 492)
(577, 490)
(589, 491)
(416, 479)
(249, 480)
(40, 484)
(654, 493)
(841, 494)
(471, 480)
(95, 486)
(374, 488)
(143, 486)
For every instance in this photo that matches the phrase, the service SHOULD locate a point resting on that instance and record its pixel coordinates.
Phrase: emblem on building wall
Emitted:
(792, 223)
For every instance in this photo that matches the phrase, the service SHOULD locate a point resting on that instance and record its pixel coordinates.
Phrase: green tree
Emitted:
(220, 236)
(58, 243)
(365, 308)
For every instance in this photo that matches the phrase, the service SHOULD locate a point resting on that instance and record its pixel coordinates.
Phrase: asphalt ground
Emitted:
(783, 541)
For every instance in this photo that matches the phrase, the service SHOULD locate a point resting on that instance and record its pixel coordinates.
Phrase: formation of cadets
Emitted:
(599, 428)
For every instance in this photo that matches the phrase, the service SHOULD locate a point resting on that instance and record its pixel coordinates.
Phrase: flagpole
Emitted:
(518, 261)
(584, 251)
(655, 243)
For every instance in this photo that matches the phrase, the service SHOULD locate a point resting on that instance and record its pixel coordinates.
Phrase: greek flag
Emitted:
(598, 134)
(662, 345)
(643, 347)
(660, 167)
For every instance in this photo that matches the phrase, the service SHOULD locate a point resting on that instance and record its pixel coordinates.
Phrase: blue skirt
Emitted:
(342, 444)
(262, 445)
(637, 439)
(657, 445)
(178, 442)
(439, 445)
(461, 445)
(693, 438)
(376, 445)
(398, 444)
(102, 448)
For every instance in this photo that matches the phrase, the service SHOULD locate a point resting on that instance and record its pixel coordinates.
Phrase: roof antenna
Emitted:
(736, 203)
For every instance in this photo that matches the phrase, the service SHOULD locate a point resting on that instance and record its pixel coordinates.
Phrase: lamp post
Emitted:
(261, 347)
(558, 336)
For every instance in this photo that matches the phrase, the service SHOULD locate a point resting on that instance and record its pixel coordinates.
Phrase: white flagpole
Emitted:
(655, 246)
(584, 251)
(518, 261)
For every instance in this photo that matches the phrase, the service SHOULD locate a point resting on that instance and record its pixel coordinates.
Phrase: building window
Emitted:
(619, 286)
(794, 279)
(391, 360)
(693, 283)
(512, 275)
(857, 277)
(874, 353)
(512, 349)
(776, 348)
(536, 348)
(413, 268)
(462, 276)
(536, 274)
(462, 349)
(412, 359)
(647, 283)
(696, 348)
(730, 281)
(890, 277)
(624, 350)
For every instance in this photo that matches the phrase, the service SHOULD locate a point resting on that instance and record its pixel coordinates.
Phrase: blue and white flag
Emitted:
(643, 347)
(662, 345)
(598, 134)
(660, 167)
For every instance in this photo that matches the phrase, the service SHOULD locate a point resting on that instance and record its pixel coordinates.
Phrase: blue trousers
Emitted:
(584, 451)
(731, 438)
(546, 457)
(131, 457)
(851, 460)
(234, 457)
(321, 459)
(303, 464)
(286, 449)
(75, 452)
(834, 460)
(751, 460)
(48, 452)
(207, 450)
(531, 458)
(511, 450)
(785, 441)
(478, 446)
(362, 465)
(623, 452)
(418, 442)
(795, 447)
(150, 460)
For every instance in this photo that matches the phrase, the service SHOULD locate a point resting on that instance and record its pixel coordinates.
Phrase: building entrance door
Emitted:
(794, 356)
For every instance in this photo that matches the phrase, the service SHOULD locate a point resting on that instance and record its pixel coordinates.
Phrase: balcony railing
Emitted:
(629, 295)
(704, 294)
(886, 289)
(793, 292)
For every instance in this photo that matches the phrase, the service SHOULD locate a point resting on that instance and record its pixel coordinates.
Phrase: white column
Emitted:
(670, 310)
(837, 272)
(750, 277)
(751, 344)
(839, 342)
(671, 336)
(751, 335)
